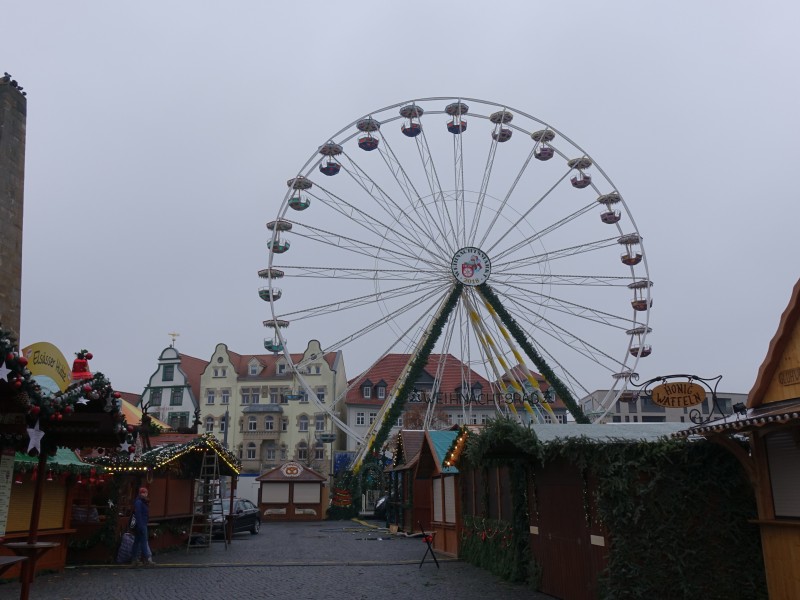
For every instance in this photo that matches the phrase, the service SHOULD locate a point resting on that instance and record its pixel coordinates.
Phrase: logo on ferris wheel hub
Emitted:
(471, 266)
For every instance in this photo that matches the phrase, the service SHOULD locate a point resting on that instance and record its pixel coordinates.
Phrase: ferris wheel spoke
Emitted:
(482, 197)
(444, 222)
(524, 215)
(534, 300)
(405, 335)
(345, 273)
(510, 277)
(566, 337)
(370, 223)
(458, 177)
(359, 247)
(416, 288)
(548, 257)
(541, 234)
(387, 203)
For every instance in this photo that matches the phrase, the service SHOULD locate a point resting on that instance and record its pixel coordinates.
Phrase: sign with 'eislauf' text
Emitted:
(679, 394)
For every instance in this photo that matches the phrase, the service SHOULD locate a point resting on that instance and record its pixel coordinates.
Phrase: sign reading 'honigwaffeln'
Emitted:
(681, 394)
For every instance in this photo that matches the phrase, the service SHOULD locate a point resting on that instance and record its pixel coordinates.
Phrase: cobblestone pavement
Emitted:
(329, 560)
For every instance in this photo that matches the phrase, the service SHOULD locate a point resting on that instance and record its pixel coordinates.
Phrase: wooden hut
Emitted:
(771, 423)
(403, 513)
(292, 492)
(443, 503)
(169, 471)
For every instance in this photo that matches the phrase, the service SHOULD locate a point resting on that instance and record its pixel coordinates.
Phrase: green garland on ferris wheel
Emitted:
(417, 366)
(19, 392)
(521, 339)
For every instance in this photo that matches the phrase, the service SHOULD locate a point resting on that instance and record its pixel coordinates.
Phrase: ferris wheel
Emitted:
(469, 228)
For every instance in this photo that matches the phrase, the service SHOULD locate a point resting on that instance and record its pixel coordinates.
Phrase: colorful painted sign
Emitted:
(48, 366)
(679, 394)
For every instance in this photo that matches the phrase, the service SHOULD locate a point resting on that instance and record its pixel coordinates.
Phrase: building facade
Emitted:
(171, 394)
(633, 407)
(459, 396)
(256, 405)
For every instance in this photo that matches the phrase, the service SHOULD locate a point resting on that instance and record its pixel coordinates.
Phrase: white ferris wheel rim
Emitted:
(349, 132)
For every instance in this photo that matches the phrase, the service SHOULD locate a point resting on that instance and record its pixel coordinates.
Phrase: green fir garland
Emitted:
(415, 371)
(542, 366)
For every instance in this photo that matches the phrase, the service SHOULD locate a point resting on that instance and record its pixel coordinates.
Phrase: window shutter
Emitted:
(437, 499)
(449, 499)
(783, 455)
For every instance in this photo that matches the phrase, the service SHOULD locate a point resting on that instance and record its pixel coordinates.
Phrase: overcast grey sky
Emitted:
(161, 134)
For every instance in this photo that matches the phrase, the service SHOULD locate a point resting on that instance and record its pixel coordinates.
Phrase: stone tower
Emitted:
(13, 111)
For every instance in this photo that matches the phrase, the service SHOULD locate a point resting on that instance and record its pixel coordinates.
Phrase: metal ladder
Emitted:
(206, 492)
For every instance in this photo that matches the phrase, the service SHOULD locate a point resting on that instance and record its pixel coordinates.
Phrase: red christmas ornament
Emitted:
(80, 369)
(130, 428)
(22, 361)
(35, 410)
(87, 388)
(9, 357)
(117, 395)
(131, 450)
(89, 356)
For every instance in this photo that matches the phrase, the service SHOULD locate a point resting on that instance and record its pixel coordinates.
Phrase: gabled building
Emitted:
(171, 393)
(461, 395)
(257, 406)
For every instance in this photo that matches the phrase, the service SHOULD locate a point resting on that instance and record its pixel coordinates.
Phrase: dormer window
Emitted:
(254, 369)
(381, 392)
(281, 368)
(169, 372)
(367, 391)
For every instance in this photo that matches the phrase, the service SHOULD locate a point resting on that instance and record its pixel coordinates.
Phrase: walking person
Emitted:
(141, 515)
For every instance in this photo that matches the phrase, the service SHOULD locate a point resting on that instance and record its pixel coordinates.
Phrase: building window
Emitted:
(359, 418)
(176, 397)
(372, 416)
(460, 419)
(302, 451)
(269, 423)
(219, 371)
(209, 424)
(284, 452)
(245, 395)
(251, 451)
(270, 455)
(210, 396)
(273, 397)
(252, 425)
(484, 419)
(321, 394)
(254, 369)
(319, 451)
(169, 372)
(155, 397)
(367, 391)
(562, 418)
(320, 422)
(302, 423)
(400, 421)
(285, 424)
(381, 391)
(284, 399)
(255, 396)
(281, 368)
(178, 419)
(222, 423)
(226, 396)
(449, 419)
(473, 419)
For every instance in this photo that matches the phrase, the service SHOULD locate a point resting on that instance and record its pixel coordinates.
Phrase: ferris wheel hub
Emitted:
(471, 266)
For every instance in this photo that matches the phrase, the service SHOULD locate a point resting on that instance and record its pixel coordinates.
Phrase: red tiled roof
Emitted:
(241, 363)
(390, 366)
(193, 368)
